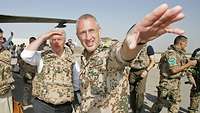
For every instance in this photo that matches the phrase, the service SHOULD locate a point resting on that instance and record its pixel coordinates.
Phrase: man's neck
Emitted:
(59, 52)
(1, 48)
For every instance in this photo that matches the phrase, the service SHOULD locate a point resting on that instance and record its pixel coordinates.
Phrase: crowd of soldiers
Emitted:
(107, 71)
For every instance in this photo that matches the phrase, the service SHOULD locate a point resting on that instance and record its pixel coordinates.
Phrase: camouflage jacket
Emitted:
(103, 81)
(171, 58)
(142, 60)
(54, 83)
(5, 72)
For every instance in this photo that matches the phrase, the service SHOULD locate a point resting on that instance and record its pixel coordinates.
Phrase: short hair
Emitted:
(180, 38)
(32, 38)
(86, 16)
(1, 31)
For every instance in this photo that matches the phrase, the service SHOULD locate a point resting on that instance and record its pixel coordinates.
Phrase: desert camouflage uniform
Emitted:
(103, 81)
(5, 72)
(137, 83)
(54, 84)
(169, 85)
(6, 81)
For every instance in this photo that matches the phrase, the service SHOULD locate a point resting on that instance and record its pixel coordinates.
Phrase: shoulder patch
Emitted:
(172, 61)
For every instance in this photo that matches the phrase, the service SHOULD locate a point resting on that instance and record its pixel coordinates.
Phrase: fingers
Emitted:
(170, 30)
(56, 32)
(177, 18)
(175, 31)
(49, 34)
(170, 16)
(154, 15)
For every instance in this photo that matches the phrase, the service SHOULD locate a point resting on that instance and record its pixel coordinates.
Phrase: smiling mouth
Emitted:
(90, 44)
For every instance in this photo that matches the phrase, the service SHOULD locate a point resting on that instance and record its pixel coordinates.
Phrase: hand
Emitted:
(155, 24)
(144, 74)
(193, 82)
(191, 79)
(10, 80)
(192, 62)
(49, 34)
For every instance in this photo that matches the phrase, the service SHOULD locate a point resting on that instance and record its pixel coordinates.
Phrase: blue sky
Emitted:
(115, 17)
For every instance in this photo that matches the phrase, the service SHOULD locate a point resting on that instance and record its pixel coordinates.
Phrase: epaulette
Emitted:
(108, 42)
(165, 55)
(170, 52)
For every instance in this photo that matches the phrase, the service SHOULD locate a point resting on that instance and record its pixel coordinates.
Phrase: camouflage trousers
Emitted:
(194, 102)
(137, 90)
(173, 97)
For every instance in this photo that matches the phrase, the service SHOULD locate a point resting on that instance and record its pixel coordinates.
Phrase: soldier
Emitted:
(140, 67)
(103, 84)
(8, 43)
(172, 65)
(52, 85)
(71, 45)
(28, 72)
(195, 90)
(6, 79)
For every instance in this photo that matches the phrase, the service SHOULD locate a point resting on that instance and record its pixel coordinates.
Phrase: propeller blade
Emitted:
(27, 19)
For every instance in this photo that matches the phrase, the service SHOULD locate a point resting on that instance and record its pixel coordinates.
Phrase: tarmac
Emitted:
(150, 95)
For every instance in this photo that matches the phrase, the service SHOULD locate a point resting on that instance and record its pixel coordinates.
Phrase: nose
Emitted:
(88, 35)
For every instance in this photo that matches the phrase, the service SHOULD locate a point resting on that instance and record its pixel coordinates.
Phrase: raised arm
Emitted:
(35, 44)
(30, 54)
(149, 28)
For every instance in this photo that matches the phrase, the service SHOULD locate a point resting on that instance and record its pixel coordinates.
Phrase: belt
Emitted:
(53, 105)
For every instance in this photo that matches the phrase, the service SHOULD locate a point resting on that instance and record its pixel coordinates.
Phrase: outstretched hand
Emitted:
(155, 24)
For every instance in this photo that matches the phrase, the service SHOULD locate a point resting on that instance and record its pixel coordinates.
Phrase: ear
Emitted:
(99, 29)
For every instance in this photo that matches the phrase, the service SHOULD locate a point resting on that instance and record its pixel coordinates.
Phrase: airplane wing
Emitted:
(28, 19)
